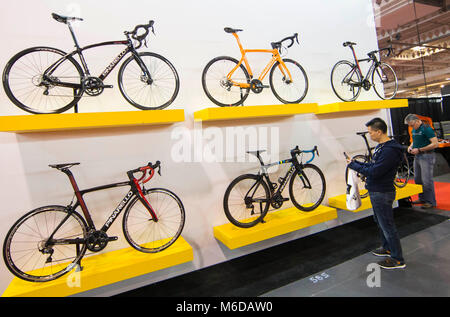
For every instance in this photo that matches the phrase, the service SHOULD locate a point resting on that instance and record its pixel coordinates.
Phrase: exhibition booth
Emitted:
(195, 147)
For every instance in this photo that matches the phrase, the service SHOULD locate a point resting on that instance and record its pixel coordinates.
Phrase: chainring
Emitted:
(256, 86)
(96, 240)
(93, 86)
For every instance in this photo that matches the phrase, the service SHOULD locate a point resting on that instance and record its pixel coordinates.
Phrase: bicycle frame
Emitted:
(275, 58)
(134, 191)
(79, 52)
(295, 166)
(375, 63)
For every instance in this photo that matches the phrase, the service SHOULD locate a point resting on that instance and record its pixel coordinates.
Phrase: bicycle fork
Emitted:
(140, 195)
(146, 77)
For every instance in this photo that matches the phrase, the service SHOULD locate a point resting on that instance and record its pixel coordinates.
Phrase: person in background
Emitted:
(424, 141)
(380, 174)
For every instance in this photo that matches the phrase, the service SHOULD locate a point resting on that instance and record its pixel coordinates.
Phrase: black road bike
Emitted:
(249, 196)
(347, 78)
(404, 170)
(50, 241)
(49, 80)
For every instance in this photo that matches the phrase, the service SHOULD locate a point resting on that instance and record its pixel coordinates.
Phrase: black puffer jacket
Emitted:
(381, 171)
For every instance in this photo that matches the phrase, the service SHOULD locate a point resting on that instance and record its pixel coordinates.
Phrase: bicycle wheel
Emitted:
(307, 189)
(384, 81)
(145, 93)
(286, 90)
(246, 201)
(24, 250)
(146, 235)
(220, 89)
(361, 178)
(403, 172)
(346, 81)
(27, 87)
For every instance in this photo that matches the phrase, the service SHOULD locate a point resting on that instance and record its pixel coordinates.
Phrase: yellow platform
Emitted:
(276, 224)
(104, 269)
(362, 105)
(245, 112)
(74, 121)
(339, 202)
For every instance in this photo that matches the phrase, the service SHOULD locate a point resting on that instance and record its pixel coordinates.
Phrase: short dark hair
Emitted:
(377, 124)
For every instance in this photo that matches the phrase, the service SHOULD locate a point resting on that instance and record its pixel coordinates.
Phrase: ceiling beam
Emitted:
(434, 3)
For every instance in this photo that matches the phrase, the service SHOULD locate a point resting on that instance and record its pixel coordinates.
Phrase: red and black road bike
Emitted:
(347, 78)
(50, 241)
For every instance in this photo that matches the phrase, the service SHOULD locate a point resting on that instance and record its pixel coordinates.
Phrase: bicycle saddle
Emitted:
(348, 44)
(230, 30)
(256, 153)
(64, 19)
(62, 166)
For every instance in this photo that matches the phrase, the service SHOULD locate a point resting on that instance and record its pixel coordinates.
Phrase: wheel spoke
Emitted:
(27, 88)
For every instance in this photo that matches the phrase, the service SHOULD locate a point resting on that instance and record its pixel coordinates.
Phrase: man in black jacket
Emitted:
(380, 174)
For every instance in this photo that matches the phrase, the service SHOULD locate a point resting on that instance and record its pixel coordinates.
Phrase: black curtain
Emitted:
(429, 107)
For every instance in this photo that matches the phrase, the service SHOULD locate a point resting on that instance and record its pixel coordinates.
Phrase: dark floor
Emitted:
(427, 255)
(335, 262)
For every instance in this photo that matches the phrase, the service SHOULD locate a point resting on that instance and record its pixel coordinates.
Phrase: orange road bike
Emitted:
(227, 81)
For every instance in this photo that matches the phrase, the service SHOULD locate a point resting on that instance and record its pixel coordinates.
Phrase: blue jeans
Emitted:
(384, 218)
(423, 175)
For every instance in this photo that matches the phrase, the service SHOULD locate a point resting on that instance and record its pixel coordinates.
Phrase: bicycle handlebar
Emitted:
(277, 45)
(141, 37)
(297, 151)
(143, 170)
(389, 49)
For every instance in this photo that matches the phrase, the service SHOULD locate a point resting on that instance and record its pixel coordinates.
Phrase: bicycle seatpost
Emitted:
(363, 135)
(69, 25)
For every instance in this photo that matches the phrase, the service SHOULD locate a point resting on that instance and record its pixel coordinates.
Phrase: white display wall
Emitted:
(189, 34)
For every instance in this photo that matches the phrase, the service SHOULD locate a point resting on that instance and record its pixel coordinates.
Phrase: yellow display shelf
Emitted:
(245, 112)
(74, 121)
(276, 223)
(339, 202)
(104, 269)
(361, 105)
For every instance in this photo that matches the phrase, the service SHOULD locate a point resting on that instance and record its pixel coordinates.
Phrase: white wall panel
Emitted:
(189, 34)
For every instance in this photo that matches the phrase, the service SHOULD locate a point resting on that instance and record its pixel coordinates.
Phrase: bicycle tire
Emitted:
(299, 86)
(403, 172)
(31, 271)
(383, 74)
(315, 178)
(156, 94)
(25, 71)
(244, 218)
(337, 80)
(363, 192)
(153, 237)
(216, 86)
